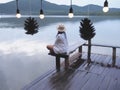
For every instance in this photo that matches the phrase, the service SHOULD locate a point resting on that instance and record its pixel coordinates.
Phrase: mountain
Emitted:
(33, 7)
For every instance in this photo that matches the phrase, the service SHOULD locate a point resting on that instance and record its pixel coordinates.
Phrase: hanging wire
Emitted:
(71, 3)
(88, 11)
(30, 7)
(17, 4)
(41, 4)
(70, 14)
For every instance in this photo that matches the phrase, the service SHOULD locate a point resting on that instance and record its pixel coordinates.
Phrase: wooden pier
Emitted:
(99, 75)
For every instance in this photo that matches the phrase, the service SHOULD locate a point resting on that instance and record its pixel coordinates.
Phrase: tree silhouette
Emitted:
(87, 32)
(31, 26)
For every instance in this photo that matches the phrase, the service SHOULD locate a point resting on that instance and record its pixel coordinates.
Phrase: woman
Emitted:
(61, 44)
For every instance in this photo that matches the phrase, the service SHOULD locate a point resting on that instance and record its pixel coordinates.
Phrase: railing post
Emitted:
(57, 63)
(80, 51)
(114, 56)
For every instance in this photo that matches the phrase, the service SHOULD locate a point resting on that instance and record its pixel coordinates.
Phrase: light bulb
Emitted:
(105, 9)
(70, 15)
(18, 15)
(41, 16)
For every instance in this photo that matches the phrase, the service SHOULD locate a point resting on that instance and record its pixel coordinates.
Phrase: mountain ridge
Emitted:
(53, 9)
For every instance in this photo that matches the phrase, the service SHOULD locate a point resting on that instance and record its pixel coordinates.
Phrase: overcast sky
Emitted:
(112, 3)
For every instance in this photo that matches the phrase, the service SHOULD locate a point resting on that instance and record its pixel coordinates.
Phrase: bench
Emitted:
(66, 57)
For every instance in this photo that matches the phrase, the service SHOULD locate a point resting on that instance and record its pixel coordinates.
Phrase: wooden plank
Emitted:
(92, 65)
(80, 81)
(85, 66)
(58, 55)
(66, 81)
(73, 82)
(50, 82)
(75, 46)
(93, 57)
(114, 85)
(98, 57)
(104, 84)
(117, 74)
(93, 83)
(113, 73)
(34, 83)
(118, 61)
(118, 84)
(97, 69)
(101, 45)
(101, 58)
(61, 83)
(105, 71)
(39, 84)
(107, 60)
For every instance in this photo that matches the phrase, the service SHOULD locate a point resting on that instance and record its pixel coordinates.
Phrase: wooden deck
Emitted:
(99, 75)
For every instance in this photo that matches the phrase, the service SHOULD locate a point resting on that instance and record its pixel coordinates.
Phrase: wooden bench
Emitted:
(72, 48)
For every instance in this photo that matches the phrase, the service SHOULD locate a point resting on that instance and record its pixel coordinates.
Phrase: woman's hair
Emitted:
(61, 33)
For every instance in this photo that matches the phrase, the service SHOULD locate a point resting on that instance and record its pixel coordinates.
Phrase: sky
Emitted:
(112, 3)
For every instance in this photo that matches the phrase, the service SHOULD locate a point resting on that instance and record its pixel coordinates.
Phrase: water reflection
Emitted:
(3, 84)
(25, 57)
(53, 19)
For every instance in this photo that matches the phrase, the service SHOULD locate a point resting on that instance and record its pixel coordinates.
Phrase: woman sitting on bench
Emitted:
(61, 44)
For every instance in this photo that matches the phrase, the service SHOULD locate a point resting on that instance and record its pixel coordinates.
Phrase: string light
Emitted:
(41, 12)
(105, 8)
(18, 15)
(71, 14)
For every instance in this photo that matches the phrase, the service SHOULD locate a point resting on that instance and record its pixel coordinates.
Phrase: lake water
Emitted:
(24, 57)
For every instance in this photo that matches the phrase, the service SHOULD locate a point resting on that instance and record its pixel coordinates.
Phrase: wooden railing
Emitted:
(79, 46)
(109, 46)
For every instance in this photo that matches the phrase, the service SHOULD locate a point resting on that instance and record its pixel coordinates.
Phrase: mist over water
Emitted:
(24, 57)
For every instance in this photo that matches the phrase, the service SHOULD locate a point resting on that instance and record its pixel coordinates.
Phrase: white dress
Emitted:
(61, 44)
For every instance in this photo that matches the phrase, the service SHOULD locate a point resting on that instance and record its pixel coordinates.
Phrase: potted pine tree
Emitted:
(31, 26)
(87, 32)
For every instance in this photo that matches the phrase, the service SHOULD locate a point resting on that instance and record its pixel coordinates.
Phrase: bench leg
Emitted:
(57, 63)
(66, 62)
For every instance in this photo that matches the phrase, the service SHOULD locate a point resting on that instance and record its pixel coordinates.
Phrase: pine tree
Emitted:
(87, 32)
(31, 26)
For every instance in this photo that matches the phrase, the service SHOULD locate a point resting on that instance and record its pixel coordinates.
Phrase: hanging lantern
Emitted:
(41, 12)
(71, 14)
(31, 26)
(18, 15)
(105, 8)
